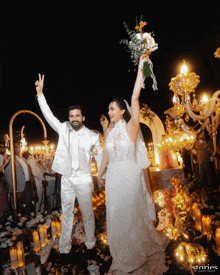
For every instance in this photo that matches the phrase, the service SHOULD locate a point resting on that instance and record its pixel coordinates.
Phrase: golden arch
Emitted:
(155, 124)
(12, 148)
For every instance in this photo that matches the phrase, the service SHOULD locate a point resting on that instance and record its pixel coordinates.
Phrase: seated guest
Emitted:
(23, 179)
(203, 149)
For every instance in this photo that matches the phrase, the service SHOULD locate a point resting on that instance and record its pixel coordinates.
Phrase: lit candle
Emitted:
(209, 227)
(204, 225)
(20, 254)
(198, 220)
(53, 229)
(13, 258)
(58, 228)
(184, 69)
(194, 209)
(217, 238)
(181, 254)
(43, 235)
(20, 257)
(36, 241)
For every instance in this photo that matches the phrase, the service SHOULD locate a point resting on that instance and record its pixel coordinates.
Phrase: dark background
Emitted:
(77, 48)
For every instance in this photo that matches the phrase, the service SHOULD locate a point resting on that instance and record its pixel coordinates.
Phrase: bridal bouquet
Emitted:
(141, 43)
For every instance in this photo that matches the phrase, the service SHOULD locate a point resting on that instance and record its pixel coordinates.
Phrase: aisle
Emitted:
(183, 229)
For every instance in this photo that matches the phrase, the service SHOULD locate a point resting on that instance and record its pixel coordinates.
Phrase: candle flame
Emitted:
(184, 69)
(205, 98)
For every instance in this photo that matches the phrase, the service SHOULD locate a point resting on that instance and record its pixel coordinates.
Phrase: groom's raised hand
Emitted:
(40, 85)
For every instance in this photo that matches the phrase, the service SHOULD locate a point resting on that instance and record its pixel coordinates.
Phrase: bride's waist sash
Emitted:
(123, 164)
(121, 161)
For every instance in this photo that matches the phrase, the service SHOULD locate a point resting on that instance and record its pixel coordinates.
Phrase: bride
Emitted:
(135, 245)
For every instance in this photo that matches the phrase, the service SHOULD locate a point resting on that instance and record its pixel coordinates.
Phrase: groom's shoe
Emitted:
(65, 248)
(90, 245)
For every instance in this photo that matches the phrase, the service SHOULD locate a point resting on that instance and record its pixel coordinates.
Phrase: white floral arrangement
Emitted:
(18, 227)
(141, 43)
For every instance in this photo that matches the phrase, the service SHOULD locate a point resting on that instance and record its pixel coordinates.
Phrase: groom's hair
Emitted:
(79, 107)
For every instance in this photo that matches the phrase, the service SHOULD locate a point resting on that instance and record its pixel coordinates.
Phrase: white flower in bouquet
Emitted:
(141, 43)
(148, 43)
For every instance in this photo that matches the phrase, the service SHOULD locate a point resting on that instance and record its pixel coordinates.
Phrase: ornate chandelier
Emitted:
(192, 117)
(189, 114)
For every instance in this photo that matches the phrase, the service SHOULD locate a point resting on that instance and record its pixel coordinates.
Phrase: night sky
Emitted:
(78, 50)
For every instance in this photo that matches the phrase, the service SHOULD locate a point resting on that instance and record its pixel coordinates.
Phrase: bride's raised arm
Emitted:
(134, 122)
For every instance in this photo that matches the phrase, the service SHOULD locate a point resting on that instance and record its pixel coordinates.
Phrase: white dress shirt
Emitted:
(79, 137)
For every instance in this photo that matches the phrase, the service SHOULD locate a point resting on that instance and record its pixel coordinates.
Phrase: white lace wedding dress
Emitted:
(134, 242)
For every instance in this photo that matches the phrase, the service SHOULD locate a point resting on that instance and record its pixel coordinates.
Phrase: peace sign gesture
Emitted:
(40, 85)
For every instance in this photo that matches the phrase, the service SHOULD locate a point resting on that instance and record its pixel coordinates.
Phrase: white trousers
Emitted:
(78, 186)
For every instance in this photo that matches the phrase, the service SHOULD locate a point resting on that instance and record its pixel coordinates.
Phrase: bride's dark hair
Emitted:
(122, 106)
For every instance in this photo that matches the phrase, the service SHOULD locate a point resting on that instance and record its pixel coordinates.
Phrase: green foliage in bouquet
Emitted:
(137, 48)
(146, 69)
(134, 44)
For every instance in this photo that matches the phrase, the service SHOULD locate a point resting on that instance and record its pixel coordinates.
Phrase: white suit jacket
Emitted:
(62, 163)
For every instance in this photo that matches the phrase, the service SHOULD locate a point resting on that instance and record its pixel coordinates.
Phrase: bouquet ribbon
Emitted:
(141, 66)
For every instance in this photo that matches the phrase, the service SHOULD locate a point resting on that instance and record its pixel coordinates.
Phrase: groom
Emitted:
(72, 161)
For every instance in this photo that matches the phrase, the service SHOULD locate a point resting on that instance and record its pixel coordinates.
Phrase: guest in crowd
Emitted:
(166, 159)
(217, 155)
(38, 177)
(57, 191)
(4, 160)
(187, 166)
(25, 185)
(50, 177)
(203, 149)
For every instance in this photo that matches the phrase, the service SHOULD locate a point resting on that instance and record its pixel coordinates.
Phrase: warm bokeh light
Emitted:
(205, 98)
(184, 69)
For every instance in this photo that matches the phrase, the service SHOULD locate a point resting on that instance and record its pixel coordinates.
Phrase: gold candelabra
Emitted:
(189, 114)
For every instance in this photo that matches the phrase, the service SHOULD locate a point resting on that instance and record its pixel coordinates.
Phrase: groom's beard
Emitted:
(76, 125)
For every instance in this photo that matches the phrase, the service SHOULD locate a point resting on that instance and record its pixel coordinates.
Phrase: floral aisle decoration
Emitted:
(24, 228)
(40, 233)
(192, 253)
(197, 223)
(141, 43)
